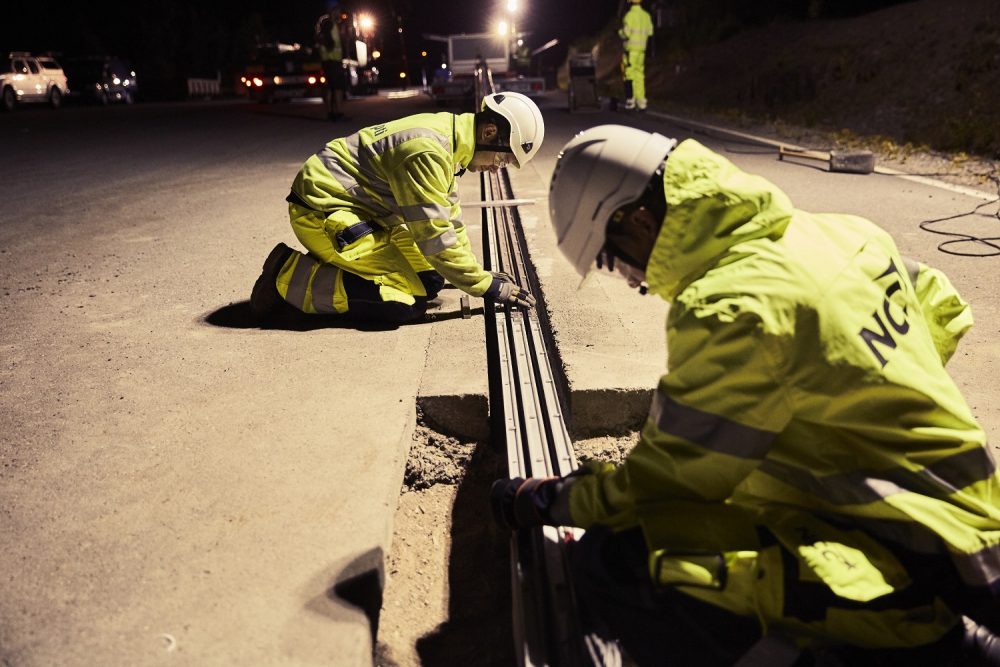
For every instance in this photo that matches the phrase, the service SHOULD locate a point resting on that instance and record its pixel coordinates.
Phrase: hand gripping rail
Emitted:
(526, 413)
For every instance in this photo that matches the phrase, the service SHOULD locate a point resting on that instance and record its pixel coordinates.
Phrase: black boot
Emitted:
(265, 299)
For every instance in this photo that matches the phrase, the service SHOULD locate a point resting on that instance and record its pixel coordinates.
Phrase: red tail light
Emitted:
(536, 85)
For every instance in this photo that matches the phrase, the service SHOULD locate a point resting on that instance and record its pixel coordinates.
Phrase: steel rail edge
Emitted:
(527, 414)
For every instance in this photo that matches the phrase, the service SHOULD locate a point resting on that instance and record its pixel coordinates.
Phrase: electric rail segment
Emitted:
(526, 414)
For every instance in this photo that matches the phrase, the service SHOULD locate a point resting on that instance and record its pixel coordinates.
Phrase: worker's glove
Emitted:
(523, 503)
(505, 290)
(979, 646)
(538, 501)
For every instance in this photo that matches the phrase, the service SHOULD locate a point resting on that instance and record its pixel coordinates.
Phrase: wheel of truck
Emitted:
(9, 99)
(55, 98)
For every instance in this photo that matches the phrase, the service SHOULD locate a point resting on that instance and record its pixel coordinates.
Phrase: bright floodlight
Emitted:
(502, 27)
(367, 22)
(511, 5)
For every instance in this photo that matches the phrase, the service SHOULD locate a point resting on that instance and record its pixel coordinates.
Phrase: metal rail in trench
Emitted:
(527, 415)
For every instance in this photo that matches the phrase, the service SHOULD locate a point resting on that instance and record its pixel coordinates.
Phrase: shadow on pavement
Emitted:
(479, 628)
(360, 584)
(238, 316)
(357, 587)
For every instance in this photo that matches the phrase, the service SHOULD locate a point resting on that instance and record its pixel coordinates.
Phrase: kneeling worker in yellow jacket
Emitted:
(809, 478)
(379, 214)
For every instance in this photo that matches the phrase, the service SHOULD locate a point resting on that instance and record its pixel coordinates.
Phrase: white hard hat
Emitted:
(599, 171)
(527, 129)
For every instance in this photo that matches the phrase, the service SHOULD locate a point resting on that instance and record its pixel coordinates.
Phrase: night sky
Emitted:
(169, 40)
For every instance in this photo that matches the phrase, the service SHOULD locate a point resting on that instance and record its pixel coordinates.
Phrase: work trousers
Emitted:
(635, 73)
(379, 274)
(314, 287)
(662, 626)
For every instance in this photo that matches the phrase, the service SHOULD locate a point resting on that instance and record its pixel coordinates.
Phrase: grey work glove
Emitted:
(523, 503)
(536, 501)
(505, 290)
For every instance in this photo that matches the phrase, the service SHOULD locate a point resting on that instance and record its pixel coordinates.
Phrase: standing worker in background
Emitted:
(809, 476)
(637, 28)
(379, 214)
(331, 53)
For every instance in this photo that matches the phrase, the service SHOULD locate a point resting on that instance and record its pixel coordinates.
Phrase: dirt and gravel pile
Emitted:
(610, 448)
(435, 459)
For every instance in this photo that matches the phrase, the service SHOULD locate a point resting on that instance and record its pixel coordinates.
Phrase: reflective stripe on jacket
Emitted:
(335, 50)
(400, 172)
(637, 27)
(805, 370)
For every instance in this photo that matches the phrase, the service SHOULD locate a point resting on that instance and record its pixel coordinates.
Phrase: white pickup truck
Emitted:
(28, 78)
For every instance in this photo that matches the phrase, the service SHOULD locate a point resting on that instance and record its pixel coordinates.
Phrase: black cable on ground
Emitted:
(991, 242)
(959, 237)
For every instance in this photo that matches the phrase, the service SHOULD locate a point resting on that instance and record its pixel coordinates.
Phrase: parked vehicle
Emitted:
(101, 79)
(25, 78)
(466, 52)
(281, 71)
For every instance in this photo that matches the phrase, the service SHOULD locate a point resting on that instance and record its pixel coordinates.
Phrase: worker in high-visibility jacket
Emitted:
(636, 29)
(331, 53)
(379, 214)
(809, 476)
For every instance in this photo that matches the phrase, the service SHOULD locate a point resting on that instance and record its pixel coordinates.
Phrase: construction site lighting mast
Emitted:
(366, 26)
(512, 7)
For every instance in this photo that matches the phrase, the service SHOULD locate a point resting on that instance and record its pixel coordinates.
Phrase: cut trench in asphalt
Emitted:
(447, 597)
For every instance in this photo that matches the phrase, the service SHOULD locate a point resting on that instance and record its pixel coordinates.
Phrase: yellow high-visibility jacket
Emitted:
(637, 27)
(806, 393)
(333, 52)
(397, 173)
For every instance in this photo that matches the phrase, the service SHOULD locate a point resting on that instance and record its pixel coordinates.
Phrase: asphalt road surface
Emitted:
(176, 483)
(179, 485)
